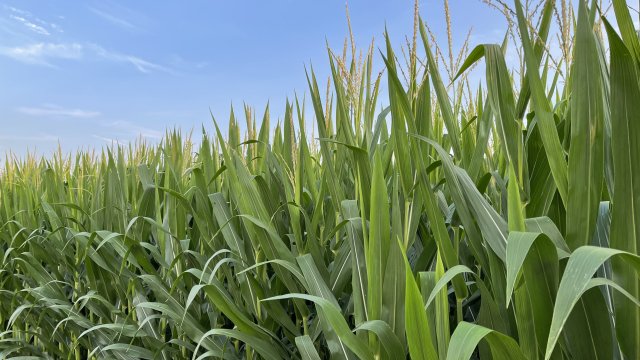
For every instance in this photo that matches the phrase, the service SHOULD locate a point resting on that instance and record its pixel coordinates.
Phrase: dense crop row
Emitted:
(504, 227)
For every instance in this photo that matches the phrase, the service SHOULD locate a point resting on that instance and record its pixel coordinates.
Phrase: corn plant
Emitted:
(440, 223)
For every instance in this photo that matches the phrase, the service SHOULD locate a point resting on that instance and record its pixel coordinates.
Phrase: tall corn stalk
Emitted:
(451, 222)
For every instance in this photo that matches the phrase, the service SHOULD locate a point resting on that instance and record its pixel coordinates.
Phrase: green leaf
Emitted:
(394, 289)
(306, 348)
(627, 29)
(514, 204)
(500, 96)
(586, 154)
(437, 224)
(398, 129)
(533, 258)
(467, 336)
(453, 128)
(318, 287)
(358, 263)
(576, 279)
(542, 250)
(544, 114)
(445, 279)
(379, 240)
(390, 342)
(416, 322)
(625, 208)
(263, 347)
(333, 316)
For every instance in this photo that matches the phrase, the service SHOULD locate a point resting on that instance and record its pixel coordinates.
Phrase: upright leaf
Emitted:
(586, 154)
(416, 322)
(546, 122)
(625, 211)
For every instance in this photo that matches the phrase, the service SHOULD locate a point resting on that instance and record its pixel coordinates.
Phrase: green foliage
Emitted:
(503, 226)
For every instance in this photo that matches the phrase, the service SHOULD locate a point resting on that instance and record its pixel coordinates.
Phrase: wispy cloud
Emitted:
(50, 53)
(120, 22)
(106, 139)
(142, 65)
(179, 62)
(31, 26)
(56, 27)
(16, 10)
(135, 130)
(31, 22)
(43, 137)
(44, 53)
(57, 111)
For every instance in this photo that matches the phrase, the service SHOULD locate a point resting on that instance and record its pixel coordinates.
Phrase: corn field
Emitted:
(447, 221)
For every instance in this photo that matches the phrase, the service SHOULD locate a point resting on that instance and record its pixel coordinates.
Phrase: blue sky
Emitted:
(84, 73)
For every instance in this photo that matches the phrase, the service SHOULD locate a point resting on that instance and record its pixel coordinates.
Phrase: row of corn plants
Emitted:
(506, 226)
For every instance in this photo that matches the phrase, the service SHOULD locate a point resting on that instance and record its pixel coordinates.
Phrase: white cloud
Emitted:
(41, 53)
(135, 130)
(32, 26)
(142, 65)
(57, 111)
(47, 52)
(112, 18)
(56, 27)
(17, 11)
(32, 22)
(179, 62)
(106, 139)
(44, 137)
